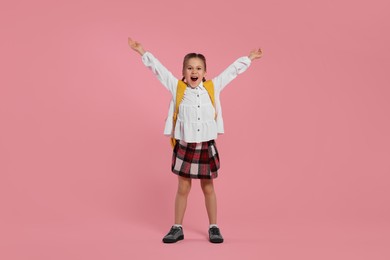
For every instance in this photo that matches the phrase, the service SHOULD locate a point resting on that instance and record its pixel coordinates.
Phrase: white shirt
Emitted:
(196, 120)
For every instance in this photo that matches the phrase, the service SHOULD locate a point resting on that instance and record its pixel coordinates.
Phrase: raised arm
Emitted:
(162, 73)
(236, 68)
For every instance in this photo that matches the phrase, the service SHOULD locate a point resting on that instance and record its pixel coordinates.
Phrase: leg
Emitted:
(176, 233)
(183, 190)
(210, 199)
(211, 206)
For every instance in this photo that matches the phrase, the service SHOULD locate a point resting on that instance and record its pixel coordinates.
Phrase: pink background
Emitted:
(305, 158)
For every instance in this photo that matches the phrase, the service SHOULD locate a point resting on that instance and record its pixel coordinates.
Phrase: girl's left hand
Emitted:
(136, 46)
(255, 54)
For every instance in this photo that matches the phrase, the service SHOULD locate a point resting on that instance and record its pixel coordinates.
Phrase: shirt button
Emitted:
(198, 106)
(198, 118)
(198, 130)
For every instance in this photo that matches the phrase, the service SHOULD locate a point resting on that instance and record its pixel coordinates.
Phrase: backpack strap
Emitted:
(209, 86)
(181, 88)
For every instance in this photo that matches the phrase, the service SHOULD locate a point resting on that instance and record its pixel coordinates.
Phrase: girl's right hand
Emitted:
(136, 46)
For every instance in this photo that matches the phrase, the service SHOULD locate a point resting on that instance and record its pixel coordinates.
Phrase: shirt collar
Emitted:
(200, 86)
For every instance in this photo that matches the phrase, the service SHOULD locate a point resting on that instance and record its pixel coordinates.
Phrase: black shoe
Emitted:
(215, 235)
(174, 235)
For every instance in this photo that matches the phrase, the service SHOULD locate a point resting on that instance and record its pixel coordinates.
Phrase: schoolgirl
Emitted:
(193, 123)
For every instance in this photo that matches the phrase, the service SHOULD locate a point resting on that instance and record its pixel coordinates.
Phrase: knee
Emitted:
(208, 188)
(184, 189)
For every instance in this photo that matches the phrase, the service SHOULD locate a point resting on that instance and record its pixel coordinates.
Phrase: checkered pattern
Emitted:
(195, 160)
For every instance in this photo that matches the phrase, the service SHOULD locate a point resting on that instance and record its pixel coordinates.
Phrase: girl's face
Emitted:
(193, 72)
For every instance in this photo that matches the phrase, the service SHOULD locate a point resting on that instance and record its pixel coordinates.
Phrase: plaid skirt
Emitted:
(195, 160)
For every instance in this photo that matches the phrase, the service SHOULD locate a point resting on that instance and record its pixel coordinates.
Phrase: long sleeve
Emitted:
(162, 73)
(231, 72)
(168, 80)
(220, 82)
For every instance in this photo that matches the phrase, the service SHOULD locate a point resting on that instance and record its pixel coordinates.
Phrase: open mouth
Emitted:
(194, 78)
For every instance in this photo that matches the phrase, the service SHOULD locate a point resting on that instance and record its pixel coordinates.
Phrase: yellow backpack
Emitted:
(181, 88)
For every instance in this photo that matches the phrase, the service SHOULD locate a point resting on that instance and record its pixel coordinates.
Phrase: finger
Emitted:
(132, 42)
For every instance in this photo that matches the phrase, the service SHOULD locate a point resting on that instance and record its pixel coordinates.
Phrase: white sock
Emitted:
(213, 225)
(178, 225)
